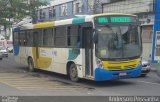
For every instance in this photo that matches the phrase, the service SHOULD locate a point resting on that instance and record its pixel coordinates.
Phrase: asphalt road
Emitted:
(16, 80)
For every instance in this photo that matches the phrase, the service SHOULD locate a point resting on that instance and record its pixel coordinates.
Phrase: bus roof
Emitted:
(87, 18)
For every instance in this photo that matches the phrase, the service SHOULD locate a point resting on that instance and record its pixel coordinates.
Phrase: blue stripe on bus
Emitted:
(16, 50)
(102, 74)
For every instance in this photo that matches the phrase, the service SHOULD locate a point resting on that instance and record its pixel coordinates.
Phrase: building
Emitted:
(145, 11)
(64, 9)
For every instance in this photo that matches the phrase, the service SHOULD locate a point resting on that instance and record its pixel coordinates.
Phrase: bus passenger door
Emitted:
(88, 46)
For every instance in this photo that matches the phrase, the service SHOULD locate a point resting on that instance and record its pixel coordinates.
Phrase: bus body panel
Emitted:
(23, 54)
(50, 59)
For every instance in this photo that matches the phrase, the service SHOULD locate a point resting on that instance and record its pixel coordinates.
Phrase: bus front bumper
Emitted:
(102, 74)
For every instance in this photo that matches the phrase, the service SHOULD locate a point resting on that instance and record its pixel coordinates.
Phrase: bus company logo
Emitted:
(9, 99)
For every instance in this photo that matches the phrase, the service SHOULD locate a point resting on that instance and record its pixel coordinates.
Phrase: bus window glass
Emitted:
(38, 37)
(73, 36)
(118, 41)
(60, 37)
(29, 38)
(22, 38)
(47, 37)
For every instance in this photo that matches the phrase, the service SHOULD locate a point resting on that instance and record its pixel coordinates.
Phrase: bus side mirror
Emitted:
(95, 37)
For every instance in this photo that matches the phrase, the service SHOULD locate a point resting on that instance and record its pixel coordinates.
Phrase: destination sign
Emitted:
(115, 19)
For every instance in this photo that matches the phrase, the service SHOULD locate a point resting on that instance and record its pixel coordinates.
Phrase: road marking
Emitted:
(24, 81)
(149, 82)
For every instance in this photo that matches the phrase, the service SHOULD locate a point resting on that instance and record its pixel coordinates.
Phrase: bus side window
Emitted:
(35, 38)
(38, 37)
(73, 36)
(29, 38)
(60, 36)
(22, 38)
(48, 37)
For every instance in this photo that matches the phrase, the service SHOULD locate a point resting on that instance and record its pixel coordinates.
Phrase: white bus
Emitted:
(96, 47)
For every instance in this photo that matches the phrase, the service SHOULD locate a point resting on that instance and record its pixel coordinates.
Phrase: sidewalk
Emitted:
(153, 67)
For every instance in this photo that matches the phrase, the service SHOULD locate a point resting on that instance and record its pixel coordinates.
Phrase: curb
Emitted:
(153, 69)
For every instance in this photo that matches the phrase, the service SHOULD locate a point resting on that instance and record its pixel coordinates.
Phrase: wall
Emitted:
(147, 51)
(86, 8)
(129, 6)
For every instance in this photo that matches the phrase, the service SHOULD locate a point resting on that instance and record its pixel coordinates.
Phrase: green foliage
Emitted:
(17, 10)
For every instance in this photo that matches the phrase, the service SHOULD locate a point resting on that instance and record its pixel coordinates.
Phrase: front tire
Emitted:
(31, 65)
(73, 73)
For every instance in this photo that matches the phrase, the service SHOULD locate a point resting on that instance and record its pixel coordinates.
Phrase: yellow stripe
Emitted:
(44, 25)
(34, 56)
(40, 62)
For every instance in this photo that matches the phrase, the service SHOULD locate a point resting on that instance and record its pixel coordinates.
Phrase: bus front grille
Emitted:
(130, 66)
(121, 65)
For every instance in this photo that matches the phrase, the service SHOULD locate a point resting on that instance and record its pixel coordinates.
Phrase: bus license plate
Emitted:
(122, 74)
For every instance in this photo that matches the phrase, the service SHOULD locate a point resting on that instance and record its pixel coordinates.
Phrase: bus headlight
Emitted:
(99, 63)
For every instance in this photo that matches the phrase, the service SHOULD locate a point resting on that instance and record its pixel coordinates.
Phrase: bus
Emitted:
(97, 47)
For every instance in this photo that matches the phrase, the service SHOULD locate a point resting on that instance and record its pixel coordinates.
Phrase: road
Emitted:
(16, 80)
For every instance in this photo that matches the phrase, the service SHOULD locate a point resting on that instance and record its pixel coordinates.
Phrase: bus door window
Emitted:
(88, 45)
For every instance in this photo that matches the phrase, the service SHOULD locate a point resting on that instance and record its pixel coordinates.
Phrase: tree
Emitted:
(15, 10)
(33, 6)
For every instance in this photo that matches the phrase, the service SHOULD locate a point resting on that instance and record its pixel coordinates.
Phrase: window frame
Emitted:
(51, 37)
(64, 36)
(70, 35)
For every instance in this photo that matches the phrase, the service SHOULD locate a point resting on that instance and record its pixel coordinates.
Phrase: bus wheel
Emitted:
(73, 73)
(30, 64)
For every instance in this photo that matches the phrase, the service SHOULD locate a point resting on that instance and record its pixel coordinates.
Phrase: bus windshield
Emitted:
(118, 41)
